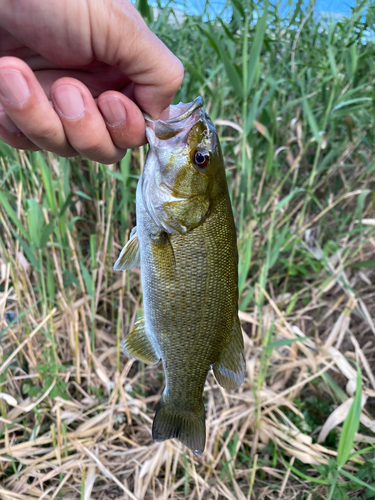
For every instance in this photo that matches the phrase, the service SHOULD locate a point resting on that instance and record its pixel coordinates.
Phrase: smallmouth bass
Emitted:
(185, 244)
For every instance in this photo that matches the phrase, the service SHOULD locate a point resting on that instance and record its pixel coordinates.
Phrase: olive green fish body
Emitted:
(185, 242)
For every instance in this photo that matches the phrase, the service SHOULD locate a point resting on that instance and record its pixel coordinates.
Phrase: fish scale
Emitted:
(186, 247)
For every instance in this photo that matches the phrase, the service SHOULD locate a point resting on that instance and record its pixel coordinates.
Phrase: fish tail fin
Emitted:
(187, 426)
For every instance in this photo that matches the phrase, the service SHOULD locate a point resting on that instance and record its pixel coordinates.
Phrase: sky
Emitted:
(333, 6)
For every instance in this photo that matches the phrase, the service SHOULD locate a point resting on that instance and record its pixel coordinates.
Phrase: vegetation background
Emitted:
(292, 96)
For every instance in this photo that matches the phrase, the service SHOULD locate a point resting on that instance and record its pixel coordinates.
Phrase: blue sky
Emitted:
(333, 6)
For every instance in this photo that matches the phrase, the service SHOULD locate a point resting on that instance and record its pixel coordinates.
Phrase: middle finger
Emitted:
(83, 124)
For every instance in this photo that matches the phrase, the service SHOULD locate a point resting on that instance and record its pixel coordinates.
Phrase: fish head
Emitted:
(184, 169)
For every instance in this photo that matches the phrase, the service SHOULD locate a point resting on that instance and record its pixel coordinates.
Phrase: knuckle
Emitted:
(177, 75)
(65, 152)
(19, 141)
(102, 157)
(44, 132)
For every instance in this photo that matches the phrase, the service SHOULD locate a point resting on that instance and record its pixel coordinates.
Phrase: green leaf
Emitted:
(50, 282)
(70, 278)
(350, 102)
(351, 424)
(304, 476)
(335, 387)
(18, 318)
(48, 182)
(73, 221)
(280, 238)
(230, 68)
(12, 215)
(87, 278)
(356, 480)
(244, 262)
(288, 197)
(247, 299)
(347, 111)
(66, 204)
(332, 62)
(116, 175)
(311, 119)
(83, 195)
(28, 252)
(145, 10)
(35, 222)
(366, 263)
(9, 172)
(253, 110)
(237, 4)
(281, 343)
(46, 234)
(256, 48)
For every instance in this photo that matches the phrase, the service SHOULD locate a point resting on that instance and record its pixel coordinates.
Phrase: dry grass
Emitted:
(76, 414)
(86, 434)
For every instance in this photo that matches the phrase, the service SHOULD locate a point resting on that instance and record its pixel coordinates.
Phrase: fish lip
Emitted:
(196, 104)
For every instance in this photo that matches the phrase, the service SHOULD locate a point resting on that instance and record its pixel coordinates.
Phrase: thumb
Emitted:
(75, 34)
(120, 37)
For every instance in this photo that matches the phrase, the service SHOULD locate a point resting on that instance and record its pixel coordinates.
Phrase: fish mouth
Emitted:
(174, 120)
(177, 112)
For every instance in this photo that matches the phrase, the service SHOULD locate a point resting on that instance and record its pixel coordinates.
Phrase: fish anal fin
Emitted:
(130, 254)
(137, 345)
(188, 427)
(230, 367)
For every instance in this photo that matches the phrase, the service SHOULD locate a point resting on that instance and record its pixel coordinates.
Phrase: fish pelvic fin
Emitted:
(137, 344)
(230, 368)
(187, 426)
(130, 255)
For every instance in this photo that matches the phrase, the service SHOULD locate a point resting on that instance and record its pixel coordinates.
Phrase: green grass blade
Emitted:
(230, 68)
(256, 47)
(311, 118)
(35, 222)
(48, 182)
(12, 215)
(356, 480)
(281, 343)
(351, 424)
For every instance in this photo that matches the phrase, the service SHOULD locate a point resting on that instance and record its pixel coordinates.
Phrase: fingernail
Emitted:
(69, 101)
(113, 111)
(14, 87)
(7, 124)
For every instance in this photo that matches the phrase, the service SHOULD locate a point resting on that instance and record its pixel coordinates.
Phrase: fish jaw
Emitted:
(174, 124)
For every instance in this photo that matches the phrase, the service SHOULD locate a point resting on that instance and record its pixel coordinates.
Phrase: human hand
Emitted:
(92, 60)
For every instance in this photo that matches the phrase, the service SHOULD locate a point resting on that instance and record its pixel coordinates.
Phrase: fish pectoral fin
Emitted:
(130, 254)
(184, 215)
(137, 344)
(172, 421)
(230, 368)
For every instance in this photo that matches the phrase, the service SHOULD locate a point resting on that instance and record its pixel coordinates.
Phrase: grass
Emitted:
(292, 96)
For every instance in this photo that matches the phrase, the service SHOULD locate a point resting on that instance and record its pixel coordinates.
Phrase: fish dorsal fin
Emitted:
(230, 368)
(137, 344)
(130, 254)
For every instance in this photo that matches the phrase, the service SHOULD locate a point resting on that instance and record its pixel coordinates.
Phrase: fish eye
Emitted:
(201, 158)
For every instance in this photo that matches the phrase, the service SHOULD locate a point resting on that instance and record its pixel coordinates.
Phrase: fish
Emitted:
(185, 244)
